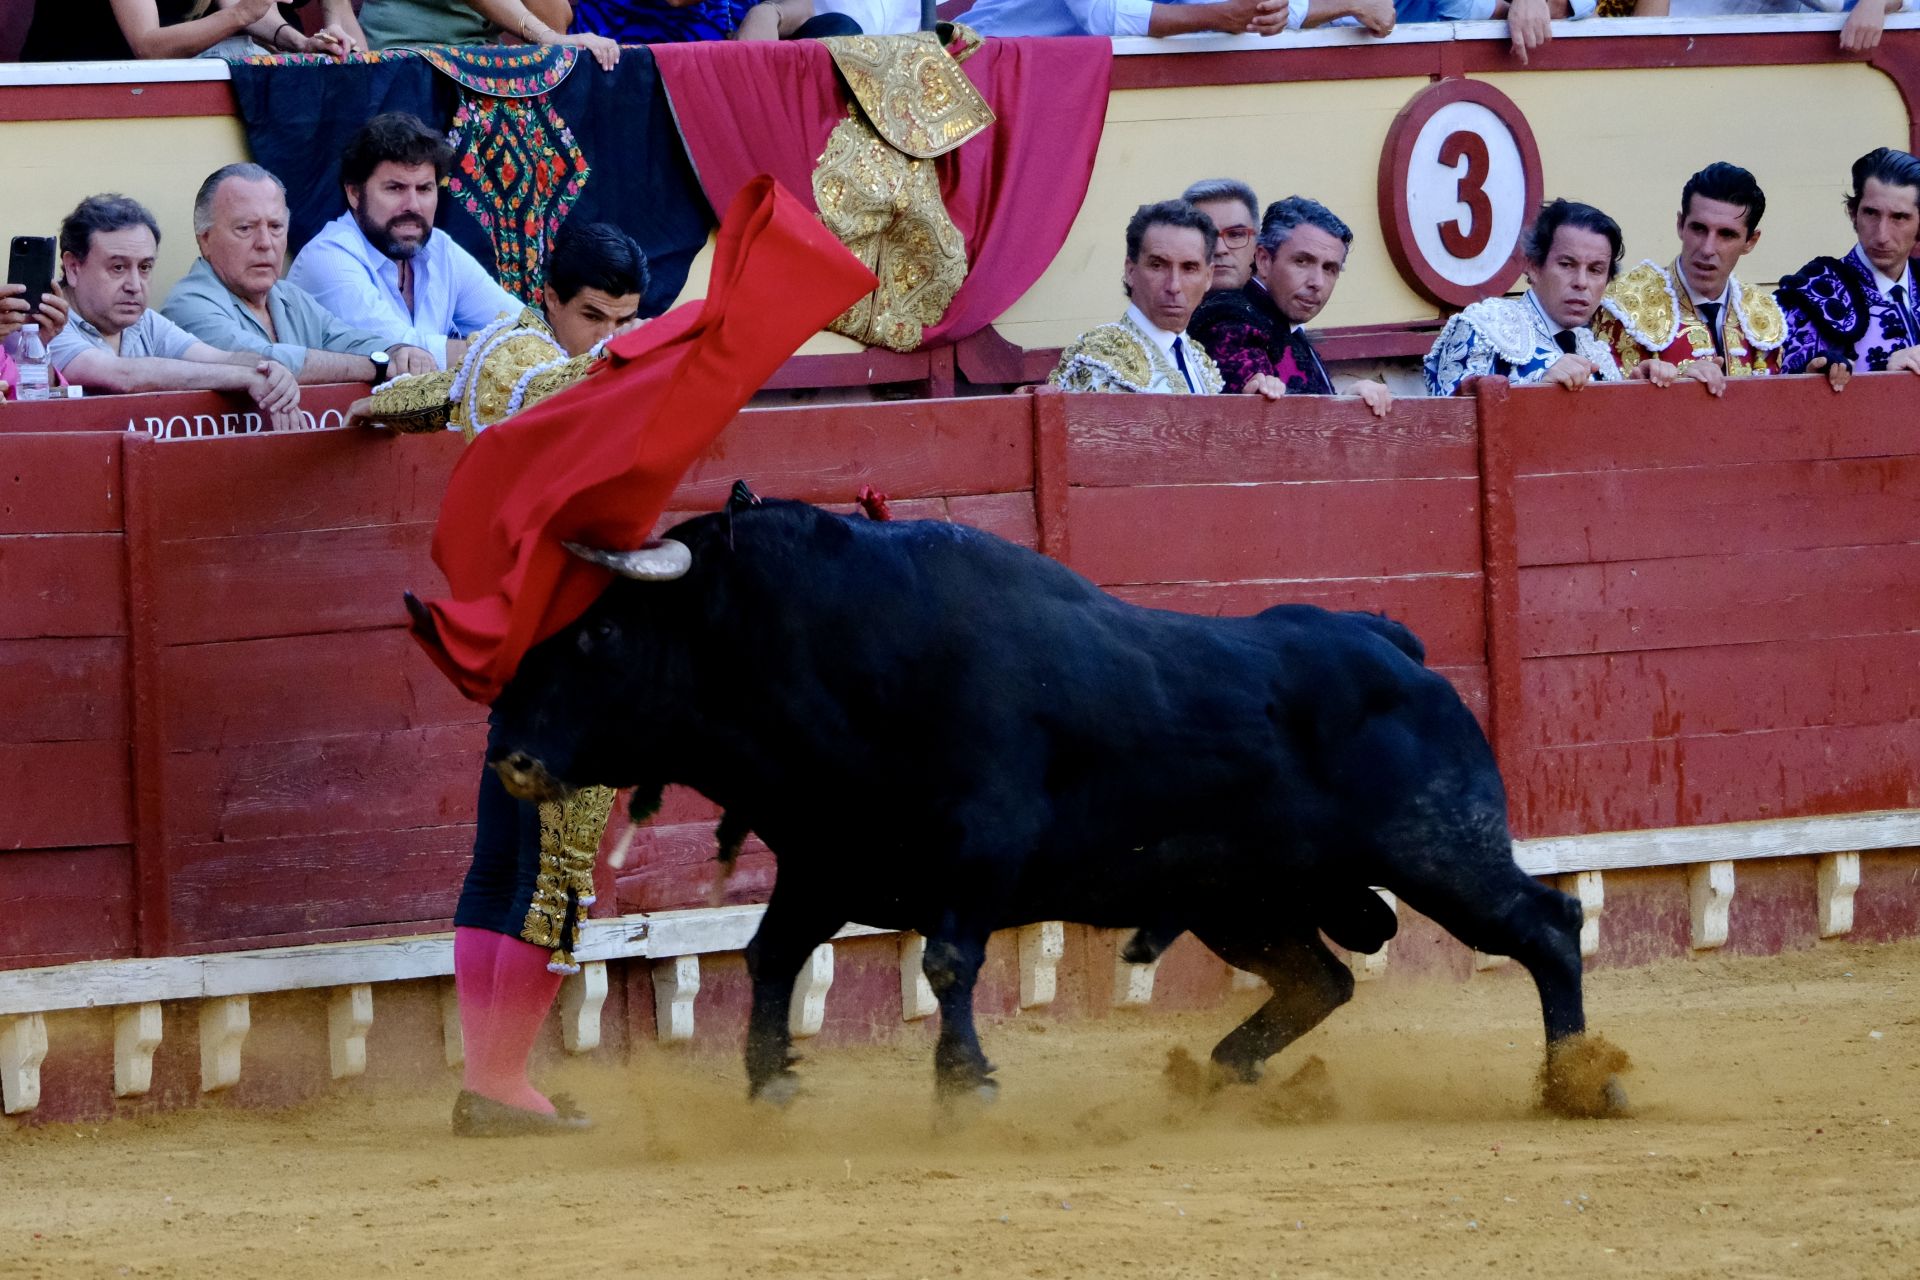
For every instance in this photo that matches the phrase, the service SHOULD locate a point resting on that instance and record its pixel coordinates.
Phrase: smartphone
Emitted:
(31, 263)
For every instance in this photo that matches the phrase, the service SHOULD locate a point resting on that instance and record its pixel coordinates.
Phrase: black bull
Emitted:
(936, 730)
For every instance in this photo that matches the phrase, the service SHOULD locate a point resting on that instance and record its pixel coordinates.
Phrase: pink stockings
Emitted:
(505, 991)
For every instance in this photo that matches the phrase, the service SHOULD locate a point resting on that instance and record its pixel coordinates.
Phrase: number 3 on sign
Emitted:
(1459, 180)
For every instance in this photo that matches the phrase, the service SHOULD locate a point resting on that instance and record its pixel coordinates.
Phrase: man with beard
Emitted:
(381, 265)
(234, 298)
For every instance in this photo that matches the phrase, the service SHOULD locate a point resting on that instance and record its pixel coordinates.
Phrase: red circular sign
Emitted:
(1459, 182)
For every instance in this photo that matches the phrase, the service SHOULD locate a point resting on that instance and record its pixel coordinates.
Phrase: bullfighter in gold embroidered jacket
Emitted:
(1168, 268)
(531, 882)
(1692, 318)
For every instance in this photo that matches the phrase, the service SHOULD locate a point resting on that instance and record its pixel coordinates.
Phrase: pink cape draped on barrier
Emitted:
(596, 463)
(768, 106)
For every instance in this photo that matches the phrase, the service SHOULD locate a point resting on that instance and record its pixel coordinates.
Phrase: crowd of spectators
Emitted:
(83, 30)
(1215, 306)
(380, 293)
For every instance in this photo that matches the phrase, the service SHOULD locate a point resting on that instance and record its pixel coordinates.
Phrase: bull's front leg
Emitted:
(794, 925)
(952, 965)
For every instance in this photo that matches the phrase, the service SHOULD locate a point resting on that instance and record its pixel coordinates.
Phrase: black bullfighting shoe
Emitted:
(477, 1116)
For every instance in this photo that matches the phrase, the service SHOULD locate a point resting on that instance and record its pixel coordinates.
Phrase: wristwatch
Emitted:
(382, 364)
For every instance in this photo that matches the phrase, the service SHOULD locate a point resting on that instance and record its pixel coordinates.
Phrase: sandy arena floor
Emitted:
(1776, 1134)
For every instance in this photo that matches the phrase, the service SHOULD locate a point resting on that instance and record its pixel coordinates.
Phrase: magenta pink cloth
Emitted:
(752, 107)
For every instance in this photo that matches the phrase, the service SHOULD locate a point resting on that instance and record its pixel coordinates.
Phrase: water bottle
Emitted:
(31, 358)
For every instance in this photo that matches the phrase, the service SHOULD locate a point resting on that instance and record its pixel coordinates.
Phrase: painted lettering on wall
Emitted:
(200, 426)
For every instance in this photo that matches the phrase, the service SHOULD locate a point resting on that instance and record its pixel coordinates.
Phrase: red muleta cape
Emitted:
(596, 463)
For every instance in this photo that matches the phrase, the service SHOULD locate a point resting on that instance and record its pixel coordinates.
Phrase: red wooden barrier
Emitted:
(1719, 602)
(215, 734)
(66, 867)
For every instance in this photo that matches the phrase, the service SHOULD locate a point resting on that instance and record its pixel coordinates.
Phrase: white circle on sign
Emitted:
(1452, 200)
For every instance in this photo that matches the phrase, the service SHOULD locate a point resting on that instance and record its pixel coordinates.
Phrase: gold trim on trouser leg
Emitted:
(570, 832)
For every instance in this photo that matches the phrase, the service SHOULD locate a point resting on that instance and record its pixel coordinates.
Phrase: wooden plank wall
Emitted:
(1696, 612)
(1719, 603)
(66, 864)
(1307, 500)
(305, 773)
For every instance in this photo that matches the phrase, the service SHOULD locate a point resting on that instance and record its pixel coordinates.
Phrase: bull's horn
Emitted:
(661, 560)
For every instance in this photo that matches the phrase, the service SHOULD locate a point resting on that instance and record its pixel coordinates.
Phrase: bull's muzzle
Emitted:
(526, 778)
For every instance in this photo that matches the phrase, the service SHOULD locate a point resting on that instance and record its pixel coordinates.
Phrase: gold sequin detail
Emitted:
(415, 403)
(1118, 357)
(877, 189)
(886, 208)
(570, 833)
(911, 90)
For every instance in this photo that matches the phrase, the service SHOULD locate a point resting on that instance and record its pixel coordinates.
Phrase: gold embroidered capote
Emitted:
(512, 363)
(1119, 357)
(876, 187)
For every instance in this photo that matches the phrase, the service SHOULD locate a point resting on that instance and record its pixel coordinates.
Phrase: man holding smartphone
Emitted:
(15, 317)
(116, 343)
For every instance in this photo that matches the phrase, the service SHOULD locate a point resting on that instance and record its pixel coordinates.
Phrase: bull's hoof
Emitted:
(959, 1105)
(1581, 1078)
(1226, 1071)
(780, 1091)
(966, 1086)
(1305, 1095)
(1187, 1077)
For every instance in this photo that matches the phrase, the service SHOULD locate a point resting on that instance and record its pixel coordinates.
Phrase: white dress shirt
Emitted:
(1885, 283)
(452, 293)
(1164, 340)
(1081, 17)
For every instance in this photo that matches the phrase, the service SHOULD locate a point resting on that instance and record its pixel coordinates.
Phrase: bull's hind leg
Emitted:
(794, 925)
(1309, 982)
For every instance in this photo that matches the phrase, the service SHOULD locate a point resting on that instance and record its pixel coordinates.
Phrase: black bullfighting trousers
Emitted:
(532, 871)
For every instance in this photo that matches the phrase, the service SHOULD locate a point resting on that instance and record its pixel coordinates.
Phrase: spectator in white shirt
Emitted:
(115, 343)
(382, 265)
(1170, 17)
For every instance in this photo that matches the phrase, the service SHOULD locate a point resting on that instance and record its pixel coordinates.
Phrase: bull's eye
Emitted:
(600, 635)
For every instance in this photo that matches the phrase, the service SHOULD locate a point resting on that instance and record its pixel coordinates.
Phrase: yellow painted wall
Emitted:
(1798, 128)
(1318, 139)
(51, 166)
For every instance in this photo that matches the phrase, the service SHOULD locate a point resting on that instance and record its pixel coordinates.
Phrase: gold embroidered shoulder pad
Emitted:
(1760, 317)
(1643, 301)
(1108, 358)
(497, 360)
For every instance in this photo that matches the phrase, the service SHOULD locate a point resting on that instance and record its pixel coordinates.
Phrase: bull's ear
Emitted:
(422, 619)
(661, 560)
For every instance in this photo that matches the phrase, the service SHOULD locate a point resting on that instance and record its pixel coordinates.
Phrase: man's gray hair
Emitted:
(1283, 217)
(1223, 189)
(245, 172)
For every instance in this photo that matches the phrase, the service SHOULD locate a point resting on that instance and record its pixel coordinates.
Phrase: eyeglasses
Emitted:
(1236, 237)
